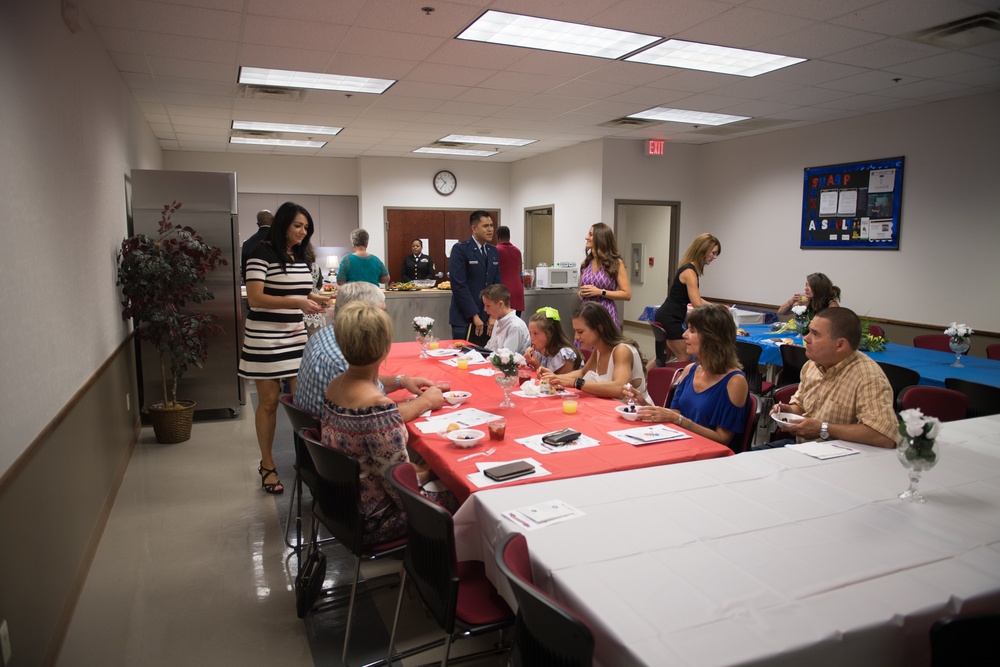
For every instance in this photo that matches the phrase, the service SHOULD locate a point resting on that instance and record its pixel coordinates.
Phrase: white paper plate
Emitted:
(787, 418)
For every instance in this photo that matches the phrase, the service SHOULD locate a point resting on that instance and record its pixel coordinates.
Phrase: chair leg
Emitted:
(447, 650)
(395, 619)
(295, 506)
(350, 607)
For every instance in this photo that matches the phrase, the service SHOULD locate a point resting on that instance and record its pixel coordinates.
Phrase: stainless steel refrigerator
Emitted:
(208, 206)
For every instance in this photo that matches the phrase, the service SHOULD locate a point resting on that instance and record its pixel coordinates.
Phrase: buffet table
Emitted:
(765, 558)
(594, 418)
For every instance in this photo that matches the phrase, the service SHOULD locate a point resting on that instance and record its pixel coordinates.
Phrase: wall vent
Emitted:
(961, 34)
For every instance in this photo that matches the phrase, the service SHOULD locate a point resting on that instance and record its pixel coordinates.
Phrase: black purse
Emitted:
(309, 580)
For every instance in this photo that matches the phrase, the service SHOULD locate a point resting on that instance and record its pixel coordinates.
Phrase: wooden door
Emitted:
(435, 225)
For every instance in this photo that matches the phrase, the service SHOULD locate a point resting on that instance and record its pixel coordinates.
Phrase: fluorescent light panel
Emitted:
(711, 58)
(537, 33)
(294, 143)
(686, 116)
(496, 141)
(291, 79)
(261, 126)
(455, 151)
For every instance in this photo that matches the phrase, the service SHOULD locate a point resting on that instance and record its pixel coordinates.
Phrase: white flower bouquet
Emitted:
(799, 311)
(506, 361)
(423, 325)
(922, 431)
(959, 332)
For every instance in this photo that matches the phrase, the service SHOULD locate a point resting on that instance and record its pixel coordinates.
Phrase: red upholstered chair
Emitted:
(456, 593)
(993, 351)
(945, 404)
(585, 352)
(782, 395)
(742, 442)
(660, 382)
(338, 509)
(932, 342)
(546, 632)
(875, 330)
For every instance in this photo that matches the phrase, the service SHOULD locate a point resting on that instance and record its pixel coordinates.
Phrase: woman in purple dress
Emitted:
(603, 276)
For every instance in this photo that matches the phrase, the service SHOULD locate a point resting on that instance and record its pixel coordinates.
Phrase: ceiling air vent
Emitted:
(272, 93)
(255, 134)
(961, 34)
(630, 123)
(448, 144)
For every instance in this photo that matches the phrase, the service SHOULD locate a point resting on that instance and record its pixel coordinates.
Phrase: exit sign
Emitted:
(655, 146)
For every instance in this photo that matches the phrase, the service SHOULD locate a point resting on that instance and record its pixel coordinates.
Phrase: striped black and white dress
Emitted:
(273, 338)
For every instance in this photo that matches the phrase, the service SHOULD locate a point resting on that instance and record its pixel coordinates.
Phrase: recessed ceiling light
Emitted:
(496, 141)
(294, 143)
(711, 58)
(455, 151)
(283, 78)
(537, 33)
(686, 116)
(261, 126)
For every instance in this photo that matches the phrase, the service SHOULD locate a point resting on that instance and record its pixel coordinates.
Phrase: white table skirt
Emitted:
(766, 558)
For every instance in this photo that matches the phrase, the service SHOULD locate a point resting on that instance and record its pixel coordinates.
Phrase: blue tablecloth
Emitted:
(933, 366)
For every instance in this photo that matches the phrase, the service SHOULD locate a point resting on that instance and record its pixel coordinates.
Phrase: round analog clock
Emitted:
(445, 182)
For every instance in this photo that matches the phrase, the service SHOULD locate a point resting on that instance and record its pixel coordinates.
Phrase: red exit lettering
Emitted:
(655, 146)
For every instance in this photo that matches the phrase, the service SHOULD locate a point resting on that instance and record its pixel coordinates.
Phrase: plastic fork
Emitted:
(483, 453)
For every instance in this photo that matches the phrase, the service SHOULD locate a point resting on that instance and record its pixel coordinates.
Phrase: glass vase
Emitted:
(424, 341)
(802, 325)
(507, 383)
(917, 455)
(959, 346)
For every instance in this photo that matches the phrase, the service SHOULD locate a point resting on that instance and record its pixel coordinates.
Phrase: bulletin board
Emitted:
(853, 206)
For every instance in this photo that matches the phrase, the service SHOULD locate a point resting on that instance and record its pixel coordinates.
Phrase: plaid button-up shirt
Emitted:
(854, 391)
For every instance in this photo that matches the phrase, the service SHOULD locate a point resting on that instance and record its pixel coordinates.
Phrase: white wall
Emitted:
(407, 183)
(71, 133)
(275, 173)
(946, 267)
(570, 181)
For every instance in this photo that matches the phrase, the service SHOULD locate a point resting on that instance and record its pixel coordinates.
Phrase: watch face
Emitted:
(445, 182)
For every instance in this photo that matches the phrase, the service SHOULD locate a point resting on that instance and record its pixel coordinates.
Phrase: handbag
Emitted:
(309, 580)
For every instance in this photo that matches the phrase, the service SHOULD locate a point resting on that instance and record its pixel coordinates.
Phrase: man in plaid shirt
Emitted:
(843, 394)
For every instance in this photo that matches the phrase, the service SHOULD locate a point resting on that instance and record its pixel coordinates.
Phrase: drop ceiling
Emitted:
(180, 59)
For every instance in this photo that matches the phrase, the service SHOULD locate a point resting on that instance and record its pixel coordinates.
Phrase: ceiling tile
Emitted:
(743, 27)
(818, 40)
(308, 35)
(427, 72)
(943, 65)
(528, 83)
(817, 10)
(176, 19)
(895, 17)
(884, 53)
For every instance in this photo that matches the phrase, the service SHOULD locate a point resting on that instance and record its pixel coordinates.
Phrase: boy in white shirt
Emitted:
(509, 330)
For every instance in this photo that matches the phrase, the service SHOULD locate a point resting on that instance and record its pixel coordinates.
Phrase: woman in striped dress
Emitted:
(279, 283)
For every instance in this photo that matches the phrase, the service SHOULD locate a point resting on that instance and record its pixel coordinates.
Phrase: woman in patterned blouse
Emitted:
(603, 276)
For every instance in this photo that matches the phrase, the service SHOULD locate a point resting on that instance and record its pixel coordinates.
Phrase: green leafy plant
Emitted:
(159, 277)
(870, 343)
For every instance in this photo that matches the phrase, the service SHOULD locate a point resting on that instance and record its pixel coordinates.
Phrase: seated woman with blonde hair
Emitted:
(711, 398)
(361, 421)
(615, 364)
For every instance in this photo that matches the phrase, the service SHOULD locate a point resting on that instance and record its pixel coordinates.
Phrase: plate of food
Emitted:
(787, 418)
(627, 412)
(401, 287)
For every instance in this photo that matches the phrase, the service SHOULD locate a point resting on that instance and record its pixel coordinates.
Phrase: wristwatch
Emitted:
(399, 381)
(604, 292)
(824, 431)
(579, 383)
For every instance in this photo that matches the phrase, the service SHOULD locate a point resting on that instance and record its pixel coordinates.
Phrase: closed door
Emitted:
(438, 226)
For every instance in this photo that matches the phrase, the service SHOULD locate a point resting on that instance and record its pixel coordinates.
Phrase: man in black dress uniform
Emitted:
(417, 266)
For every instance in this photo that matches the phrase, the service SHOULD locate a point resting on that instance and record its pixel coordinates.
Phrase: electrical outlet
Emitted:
(5, 642)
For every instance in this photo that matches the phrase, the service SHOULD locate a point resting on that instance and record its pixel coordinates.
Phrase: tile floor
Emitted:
(192, 569)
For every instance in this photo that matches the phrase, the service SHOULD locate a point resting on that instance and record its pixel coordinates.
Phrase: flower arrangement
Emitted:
(506, 361)
(423, 325)
(921, 431)
(959, 332)
(870, 343)
(801, 321)
(799, 311)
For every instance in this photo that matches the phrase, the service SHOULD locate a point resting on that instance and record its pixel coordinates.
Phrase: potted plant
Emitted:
(159, 277)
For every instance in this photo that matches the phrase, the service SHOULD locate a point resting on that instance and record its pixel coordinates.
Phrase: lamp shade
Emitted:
(332, 262)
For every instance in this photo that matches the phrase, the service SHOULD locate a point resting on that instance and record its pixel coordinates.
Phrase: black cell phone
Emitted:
(481, 350)
(509, 471)
(560, 438)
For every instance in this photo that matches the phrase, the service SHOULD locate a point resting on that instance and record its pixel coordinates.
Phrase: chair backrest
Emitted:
(932, 342)
(875, 330)
(430, 554)
(337, 492)
(742, 442)
(793, 358)
(659, 333)
(783, 395)
(301, 419)
(585, 352)
(968, 640)
(749, 355)
(947, 405)
(899, 378)
(660, 381)
(547, 633)
(993, 351)
(984, 399)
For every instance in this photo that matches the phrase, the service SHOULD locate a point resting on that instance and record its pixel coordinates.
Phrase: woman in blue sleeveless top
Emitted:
(712, 396)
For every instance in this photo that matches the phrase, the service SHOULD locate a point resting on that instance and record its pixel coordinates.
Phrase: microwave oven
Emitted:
(556, 277)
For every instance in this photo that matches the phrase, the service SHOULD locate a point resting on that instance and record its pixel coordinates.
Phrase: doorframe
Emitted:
(528, 250)
(675, 225)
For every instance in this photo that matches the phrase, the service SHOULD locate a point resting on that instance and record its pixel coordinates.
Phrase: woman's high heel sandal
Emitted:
(276, 487)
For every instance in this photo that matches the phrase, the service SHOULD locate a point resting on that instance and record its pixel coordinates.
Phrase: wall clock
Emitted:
(445, 182)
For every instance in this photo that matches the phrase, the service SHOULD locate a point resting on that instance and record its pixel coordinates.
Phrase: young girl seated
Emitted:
(550, 346)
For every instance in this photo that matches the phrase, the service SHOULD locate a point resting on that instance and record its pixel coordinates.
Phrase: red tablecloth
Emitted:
(594, 417)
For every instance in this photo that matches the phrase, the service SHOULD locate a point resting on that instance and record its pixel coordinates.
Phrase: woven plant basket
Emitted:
(172, 426)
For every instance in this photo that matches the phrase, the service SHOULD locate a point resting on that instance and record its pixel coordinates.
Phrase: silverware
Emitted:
(483, 453)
